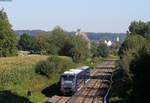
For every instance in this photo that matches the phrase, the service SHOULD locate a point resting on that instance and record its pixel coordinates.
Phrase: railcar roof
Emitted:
(76, 71)
(73, 71)
(83, 67)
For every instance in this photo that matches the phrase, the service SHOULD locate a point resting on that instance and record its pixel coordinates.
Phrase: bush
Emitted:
(54, 65)
(103, 50)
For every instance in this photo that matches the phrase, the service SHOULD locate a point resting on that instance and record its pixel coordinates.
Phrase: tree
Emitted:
(102, 49)
(27, 42)
(42, 45)
(134, 59)
(138, 66)
(94, 50)
(140, 69)
(8, 38)
(140, 28)
(59, 39)
(132, 43)
(79, 50)
(129, 49)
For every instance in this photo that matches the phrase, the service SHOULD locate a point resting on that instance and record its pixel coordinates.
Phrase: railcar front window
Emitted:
(68, 79)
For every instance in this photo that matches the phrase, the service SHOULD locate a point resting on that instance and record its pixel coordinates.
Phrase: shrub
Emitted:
(103, 50)
(54, 65)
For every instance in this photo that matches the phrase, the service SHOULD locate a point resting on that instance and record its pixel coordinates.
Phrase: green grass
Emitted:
(37, 97)
(111, 57)
(117, 100)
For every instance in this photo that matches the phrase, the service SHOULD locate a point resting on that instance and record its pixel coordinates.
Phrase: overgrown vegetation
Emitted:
(99, 49)
(53, 66)
(131, 79)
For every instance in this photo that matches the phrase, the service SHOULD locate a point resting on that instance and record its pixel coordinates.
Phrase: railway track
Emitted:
(94, 90)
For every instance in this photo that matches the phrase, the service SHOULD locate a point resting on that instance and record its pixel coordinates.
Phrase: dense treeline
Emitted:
(132, 77)
(59, 43)
(56, 43)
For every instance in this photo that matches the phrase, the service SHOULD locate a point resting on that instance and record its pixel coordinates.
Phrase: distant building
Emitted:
(105, 41)
(118, 39)
(83, 34)
(23, 53)
(108, 43)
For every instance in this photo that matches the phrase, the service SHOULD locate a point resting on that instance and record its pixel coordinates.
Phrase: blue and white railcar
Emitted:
(73, 79)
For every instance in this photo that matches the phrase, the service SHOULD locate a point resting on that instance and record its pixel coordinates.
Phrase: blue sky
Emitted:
(89, 15)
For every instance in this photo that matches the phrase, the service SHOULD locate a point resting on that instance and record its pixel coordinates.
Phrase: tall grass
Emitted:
(17, 74)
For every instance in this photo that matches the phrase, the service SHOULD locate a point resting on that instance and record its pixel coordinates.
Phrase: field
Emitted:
(18, 80)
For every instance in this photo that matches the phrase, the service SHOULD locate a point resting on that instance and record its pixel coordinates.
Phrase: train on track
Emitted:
(74, 79)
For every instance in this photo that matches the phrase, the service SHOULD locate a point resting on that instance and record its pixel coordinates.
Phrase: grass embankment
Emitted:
(17, 76)
(111, 57)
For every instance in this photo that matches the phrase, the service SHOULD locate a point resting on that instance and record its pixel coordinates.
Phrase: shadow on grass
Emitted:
(8, 97)
(52, 90)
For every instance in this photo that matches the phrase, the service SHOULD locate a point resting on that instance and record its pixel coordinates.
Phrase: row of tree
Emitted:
(59, 43)
(132, 77)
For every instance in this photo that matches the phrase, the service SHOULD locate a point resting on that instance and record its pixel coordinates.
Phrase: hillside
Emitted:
(91, 35)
